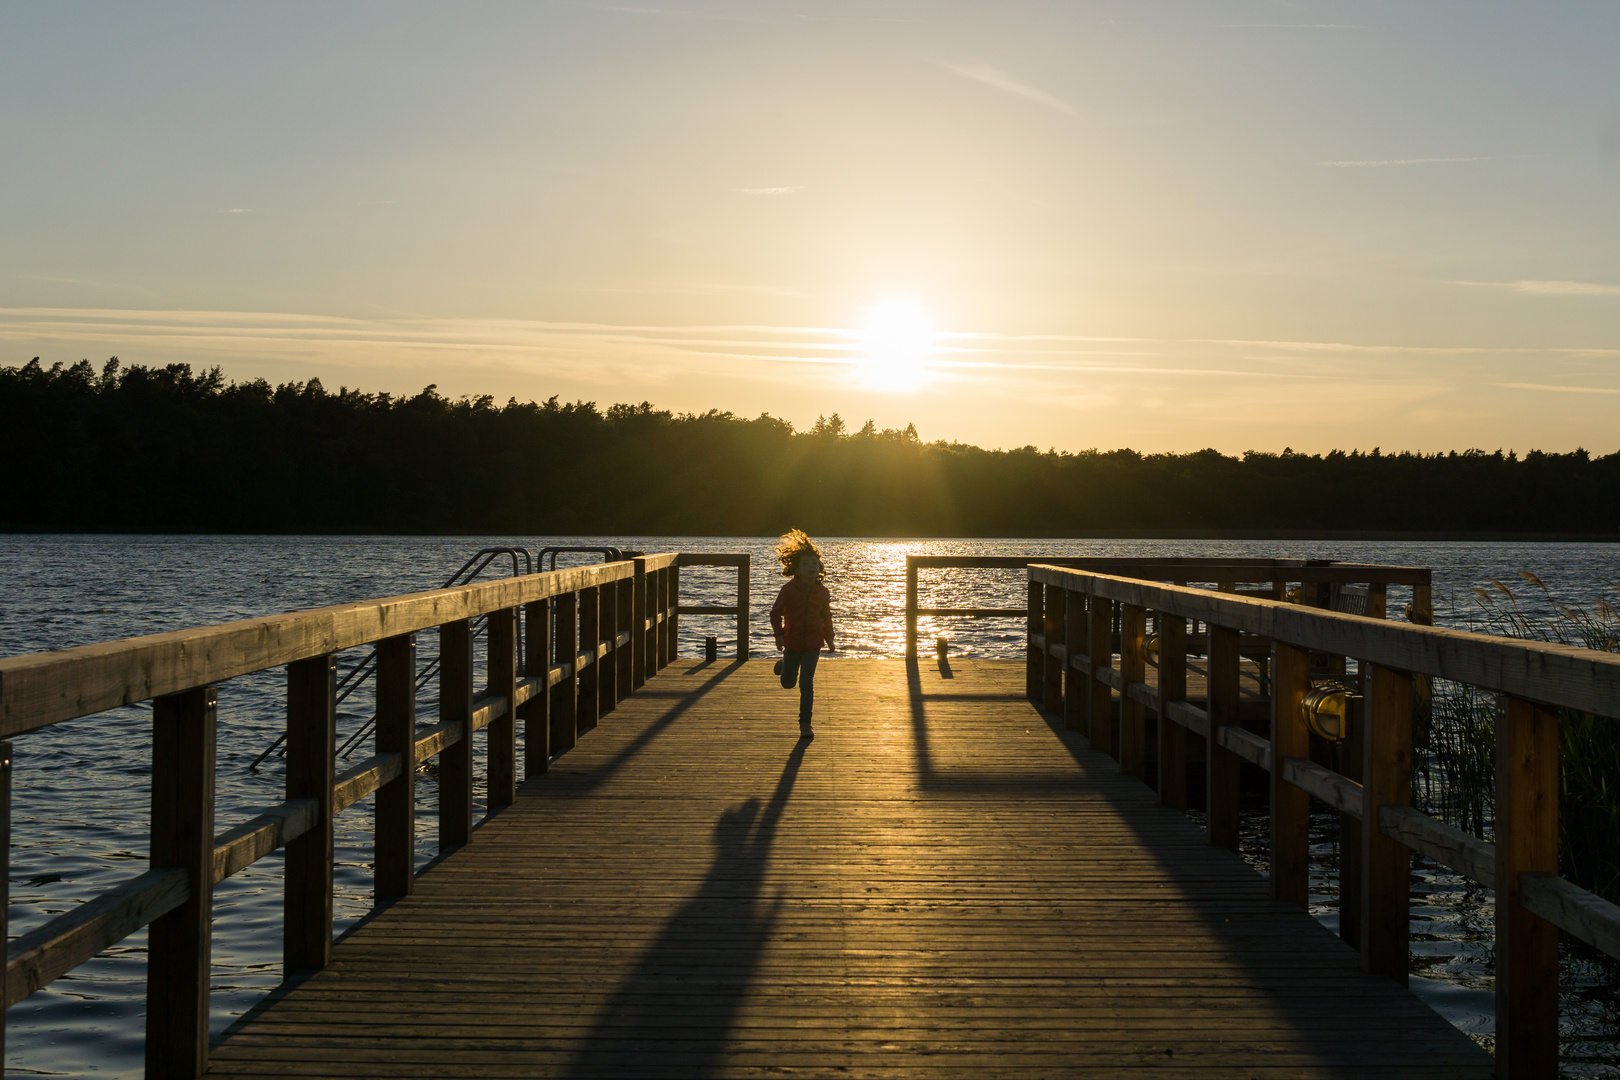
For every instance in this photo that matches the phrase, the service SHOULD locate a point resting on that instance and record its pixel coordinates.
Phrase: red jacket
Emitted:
(807, 615)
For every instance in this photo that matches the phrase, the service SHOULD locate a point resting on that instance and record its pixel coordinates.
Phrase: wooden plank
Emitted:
(240, 847)
(1245, 744)
(1581, 679)
(742, 606)
(501, 637)
(1054, 611)
(1172, 736)
(1385, 908)
(1076, 683)
(607, 625)
(179, 942)
(1449, 846)
(1132, 668)
(639, 610)
(536, 713)
(911, 608)
(1339, 792)
(48, 952)
(624, 641)
(311, 737)
(1290, 805)
(1100, 652)
(46, 688)
(1035, 651)
(394, 811)
(1526, 842)
(456, 712)
(1572, 909)
(565, 695)
(586, 708)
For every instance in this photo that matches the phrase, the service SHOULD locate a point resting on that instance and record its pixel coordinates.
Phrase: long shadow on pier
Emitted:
(681, 1001)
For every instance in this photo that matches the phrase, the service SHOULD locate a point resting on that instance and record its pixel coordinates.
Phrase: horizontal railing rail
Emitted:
(1077, 665)
(742, 562)
(593, 635)
(1228, 573)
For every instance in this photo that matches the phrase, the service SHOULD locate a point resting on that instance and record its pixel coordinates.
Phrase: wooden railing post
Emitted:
(1100, 700)
(1290, 805)
(674, 613)
(1132, 669)
(626, 623)
(1172, 688)
(501, 665)
(455, 707)
(1034, 655)
(1386, 863)
(179, 943)
(395, 871)
(311, 738)
(565, 695)
(662, 651)
(911, 607)
(743, 613)
(1076, 684)
(641, 636)
(1222, 768)
(607, 679)
(1526, 842)
(590, 635)
(536, 712)
(1056, 609)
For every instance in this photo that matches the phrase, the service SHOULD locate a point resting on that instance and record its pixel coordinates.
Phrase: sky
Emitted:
(1167, 226)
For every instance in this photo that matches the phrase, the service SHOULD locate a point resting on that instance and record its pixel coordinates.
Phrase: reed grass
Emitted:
(1455, 779)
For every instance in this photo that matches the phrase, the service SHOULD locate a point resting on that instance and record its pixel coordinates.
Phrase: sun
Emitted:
(897, 341)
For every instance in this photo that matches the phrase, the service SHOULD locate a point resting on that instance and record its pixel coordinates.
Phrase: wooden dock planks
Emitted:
(943, 884)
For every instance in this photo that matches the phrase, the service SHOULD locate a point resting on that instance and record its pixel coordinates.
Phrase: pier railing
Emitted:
(591, 637)
(1077, 666)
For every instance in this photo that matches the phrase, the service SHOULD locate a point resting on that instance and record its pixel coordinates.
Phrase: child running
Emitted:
(801, 619)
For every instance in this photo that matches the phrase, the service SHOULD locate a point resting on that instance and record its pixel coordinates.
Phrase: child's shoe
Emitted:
(778, 669)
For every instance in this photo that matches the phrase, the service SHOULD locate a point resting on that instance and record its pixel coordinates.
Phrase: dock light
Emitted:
(1295, 595)
(1150, 649)
(1326, 711)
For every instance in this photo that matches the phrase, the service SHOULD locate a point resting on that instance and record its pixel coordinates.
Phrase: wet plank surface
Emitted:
(941, 884)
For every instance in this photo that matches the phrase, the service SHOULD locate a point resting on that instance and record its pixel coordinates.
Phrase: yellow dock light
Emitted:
(1150, 649)
(1295, 595)
(1326, 711)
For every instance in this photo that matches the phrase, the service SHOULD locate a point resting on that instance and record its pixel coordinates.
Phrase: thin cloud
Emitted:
(769, 190)
(236, 210)
(1559, 389)
(1397, 161)
(1547, 288)
(997, 79)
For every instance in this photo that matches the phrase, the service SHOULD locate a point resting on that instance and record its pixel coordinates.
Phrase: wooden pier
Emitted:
(944, 883)
(976, 868)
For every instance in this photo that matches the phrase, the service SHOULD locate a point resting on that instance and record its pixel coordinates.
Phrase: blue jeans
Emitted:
(800, 666)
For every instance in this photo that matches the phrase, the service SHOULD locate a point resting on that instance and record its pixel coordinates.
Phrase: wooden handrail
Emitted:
(603, 647)
(1073, 609)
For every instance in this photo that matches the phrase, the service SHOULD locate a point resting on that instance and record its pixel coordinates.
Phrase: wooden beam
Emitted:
(536, 712)
(590, 636)
(395, 809)
(1290, 805)
(311, 734)
(624, 641)
(1132, 669)
(502, 664)
(1526, 842)
(241, 846)
(565, 695)
(1172, 691)
(1076, 684)
(1100, 650)
(1449, 846)
(1569, 907)
(1055, 610)
(639, 608)
(456, 758)
(1386, 864)
(1035, 651)
(179, 943)
(1339, 792)
(742, 607)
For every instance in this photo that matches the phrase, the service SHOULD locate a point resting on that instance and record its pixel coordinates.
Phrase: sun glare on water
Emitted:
(897, 342)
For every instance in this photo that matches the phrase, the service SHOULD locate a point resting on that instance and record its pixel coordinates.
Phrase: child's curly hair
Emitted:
(791, 545)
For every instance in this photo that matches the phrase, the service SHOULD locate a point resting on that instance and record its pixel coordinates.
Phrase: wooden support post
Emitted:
(1056, 609)
(607, 626)
(395, 845)
(1172, 687)
(742, 609)
(180, 943)
(5, 869)
(1222, 768)
(501, 665)
(625, 666)
(667, 620)
(536, 711)
(1100, 647)
(640, 636)
(311, 739)
(674, 614)
(911, 609)
(565, 695)
(1034, 655)
(1386, 863)
(1352, 764)
(1527, 783)
(455, 707)
(1076, 684)
(1290, 806)
(1132, 669)
(590, 635)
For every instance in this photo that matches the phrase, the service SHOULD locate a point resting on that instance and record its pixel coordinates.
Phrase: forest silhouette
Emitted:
(167, 449)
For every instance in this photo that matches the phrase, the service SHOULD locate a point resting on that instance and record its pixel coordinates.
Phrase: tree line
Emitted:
(168, 449)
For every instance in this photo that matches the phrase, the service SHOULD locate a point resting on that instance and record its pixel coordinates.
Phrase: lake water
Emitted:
(82, 789)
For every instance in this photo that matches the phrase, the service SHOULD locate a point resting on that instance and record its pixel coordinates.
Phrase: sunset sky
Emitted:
(1157, 225)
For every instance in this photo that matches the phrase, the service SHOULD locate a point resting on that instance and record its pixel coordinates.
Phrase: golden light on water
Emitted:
(897, 342)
